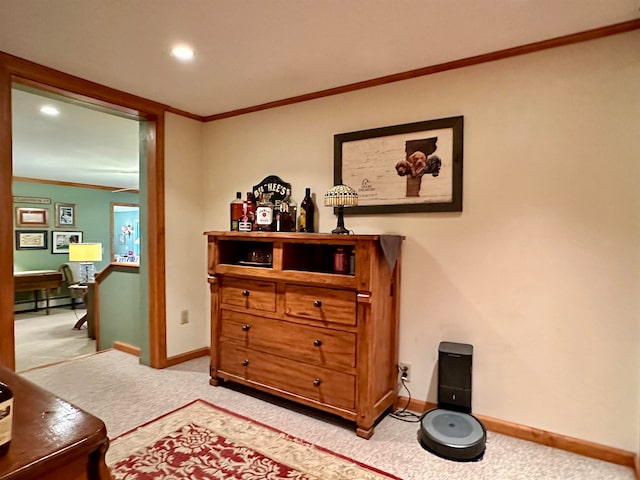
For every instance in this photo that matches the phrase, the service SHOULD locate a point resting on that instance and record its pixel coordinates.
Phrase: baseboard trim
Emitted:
(126, 348)
(183, 357)
(543, 437)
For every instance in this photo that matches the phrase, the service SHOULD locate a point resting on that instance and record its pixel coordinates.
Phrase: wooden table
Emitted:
(52, 439)
(35, 281)
(88, 294)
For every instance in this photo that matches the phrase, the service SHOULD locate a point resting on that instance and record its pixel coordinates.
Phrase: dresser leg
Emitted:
(215, 381)
(365, 433)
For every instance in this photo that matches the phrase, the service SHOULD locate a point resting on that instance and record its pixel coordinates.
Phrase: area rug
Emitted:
(203, 441)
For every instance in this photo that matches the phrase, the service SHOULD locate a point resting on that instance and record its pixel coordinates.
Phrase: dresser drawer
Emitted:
(312, 382)
(320, 346)
(250, 294)
(318, 303)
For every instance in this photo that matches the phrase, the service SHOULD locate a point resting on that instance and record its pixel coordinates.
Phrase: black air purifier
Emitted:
(450, 431)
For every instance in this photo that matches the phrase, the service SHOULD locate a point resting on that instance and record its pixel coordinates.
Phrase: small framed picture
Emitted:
(32, 217)
(31, 239)
(65, 215)
(60, 241)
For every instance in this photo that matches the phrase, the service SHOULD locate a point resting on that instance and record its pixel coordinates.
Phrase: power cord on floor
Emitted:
(403, 414)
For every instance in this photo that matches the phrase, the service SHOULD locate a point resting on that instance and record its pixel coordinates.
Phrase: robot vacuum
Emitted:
(450, 431)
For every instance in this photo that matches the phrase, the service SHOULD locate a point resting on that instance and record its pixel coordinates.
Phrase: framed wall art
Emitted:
(31, 239)
(32, 217)
(414, 167)
(60, 241)
(65, 215)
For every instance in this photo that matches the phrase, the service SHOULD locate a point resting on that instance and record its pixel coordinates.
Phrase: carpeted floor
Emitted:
(43, 339)
(115, 387)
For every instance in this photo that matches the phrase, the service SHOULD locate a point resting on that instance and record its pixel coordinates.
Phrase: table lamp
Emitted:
(86, 254)
(340, 196)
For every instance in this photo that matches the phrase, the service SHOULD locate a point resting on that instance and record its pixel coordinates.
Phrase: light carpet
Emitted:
(43, 339)
(203, 441)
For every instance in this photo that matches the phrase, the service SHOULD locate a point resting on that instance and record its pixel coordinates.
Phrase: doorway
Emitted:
(74, 161)
(151, 114)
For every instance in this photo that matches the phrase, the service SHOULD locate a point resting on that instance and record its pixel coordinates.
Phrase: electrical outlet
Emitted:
(184, 317)
(405, 371)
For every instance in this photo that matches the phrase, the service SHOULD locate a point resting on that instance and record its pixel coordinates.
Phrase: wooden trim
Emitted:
(6, 225)
(183, 357)
(155, 245)
(126, 348)
(193, 116)
(536, 435)
(637, 467)
(442, 67)
(70, 184)
(117, 267)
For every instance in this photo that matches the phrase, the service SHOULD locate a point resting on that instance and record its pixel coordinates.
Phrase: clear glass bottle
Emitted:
(235, 212)
(264, 214)
(6, 417)
(244, 223)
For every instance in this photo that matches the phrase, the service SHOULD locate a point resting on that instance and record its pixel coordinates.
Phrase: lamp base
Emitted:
(340, 229)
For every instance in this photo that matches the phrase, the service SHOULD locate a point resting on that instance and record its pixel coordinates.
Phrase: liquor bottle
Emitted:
(235, 212)
(293, 211)
(307, 213)
(285, 221)
(251, 210)
(6, 417)
(244, 223)
(264, 215)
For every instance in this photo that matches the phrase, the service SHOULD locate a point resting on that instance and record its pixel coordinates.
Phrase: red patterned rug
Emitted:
(203, 441)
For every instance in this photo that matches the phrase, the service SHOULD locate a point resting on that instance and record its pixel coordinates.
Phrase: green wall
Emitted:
(93, 210)
(121, 309)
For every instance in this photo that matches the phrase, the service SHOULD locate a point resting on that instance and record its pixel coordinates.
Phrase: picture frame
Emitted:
(60, 240)
(32, 217)
(413, 167)
(65, 215)
(31, 239)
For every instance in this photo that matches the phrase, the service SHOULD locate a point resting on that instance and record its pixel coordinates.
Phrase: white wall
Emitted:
(186, 272)
(540, 272)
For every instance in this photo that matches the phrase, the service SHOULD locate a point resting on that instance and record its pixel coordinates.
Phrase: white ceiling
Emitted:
(250, 52)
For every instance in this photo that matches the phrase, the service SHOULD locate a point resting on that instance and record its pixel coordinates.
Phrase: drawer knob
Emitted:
(245, 293)
(317, 342)
(246, 327)
(317, 382)
(245, 363)
(317, 303)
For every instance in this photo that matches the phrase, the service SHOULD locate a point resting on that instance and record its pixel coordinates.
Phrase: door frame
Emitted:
(17, 70)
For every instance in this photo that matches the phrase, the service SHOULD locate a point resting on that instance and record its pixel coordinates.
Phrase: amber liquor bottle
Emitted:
(235, 212)
(6, 417)
(264, 215)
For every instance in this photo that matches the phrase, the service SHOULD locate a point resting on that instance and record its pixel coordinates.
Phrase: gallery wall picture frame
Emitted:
(65, 215)
(31, 239)
(38, 200)
(413, 167)
(60, 240)
(32, 217)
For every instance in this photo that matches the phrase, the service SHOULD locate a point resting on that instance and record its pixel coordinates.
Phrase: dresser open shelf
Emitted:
(295, 327)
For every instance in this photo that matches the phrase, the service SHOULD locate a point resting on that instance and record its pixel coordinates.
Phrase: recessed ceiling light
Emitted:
(182, 52)
(49, 110)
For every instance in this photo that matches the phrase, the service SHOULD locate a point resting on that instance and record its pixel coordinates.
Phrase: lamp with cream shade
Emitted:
(86, 254)
(341, 196)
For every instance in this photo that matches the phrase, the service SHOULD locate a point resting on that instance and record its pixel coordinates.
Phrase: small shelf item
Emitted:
(341, 196)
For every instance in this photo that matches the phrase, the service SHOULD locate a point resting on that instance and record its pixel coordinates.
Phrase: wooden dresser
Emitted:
(290, 325)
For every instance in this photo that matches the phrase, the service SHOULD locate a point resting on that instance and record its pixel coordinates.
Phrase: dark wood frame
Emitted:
(455, 124)
(20, 233)
(54, 234)
(58, 206)
(22, 211)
